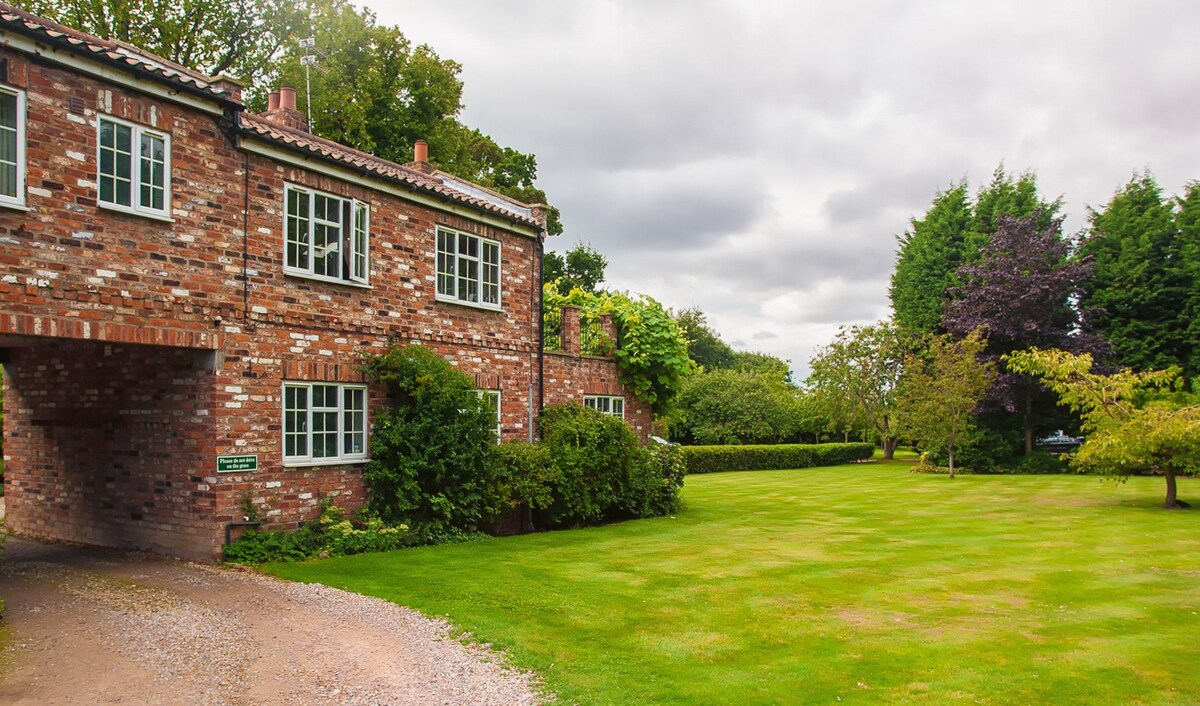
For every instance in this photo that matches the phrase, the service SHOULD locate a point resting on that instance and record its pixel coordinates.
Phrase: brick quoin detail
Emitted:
(138, 350)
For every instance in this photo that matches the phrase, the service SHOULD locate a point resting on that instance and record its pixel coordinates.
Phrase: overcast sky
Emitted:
(757, 159)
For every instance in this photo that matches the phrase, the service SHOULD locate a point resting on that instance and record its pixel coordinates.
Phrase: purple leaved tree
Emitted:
(1022, 293)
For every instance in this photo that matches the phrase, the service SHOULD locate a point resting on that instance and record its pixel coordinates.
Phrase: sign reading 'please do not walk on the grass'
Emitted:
(237, 464)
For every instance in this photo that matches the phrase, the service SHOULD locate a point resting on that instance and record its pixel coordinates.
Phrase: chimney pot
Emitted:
(273, 101)
(287, 98)
(421, 152)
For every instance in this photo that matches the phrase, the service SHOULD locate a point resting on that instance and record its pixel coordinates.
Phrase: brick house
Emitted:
(186, 290)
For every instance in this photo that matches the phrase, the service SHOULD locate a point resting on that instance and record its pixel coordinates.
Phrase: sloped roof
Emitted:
(109, 51)
(439, 184)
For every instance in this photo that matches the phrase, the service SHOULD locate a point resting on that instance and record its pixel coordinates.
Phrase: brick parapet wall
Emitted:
(568, 378)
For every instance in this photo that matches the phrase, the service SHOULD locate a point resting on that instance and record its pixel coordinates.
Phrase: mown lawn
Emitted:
(858, 584)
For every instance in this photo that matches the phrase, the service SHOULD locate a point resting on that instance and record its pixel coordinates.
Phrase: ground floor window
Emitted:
(606, 404)
(324, 422)
(492, 399)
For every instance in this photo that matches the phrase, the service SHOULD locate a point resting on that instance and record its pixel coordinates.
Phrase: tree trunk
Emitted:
(889, 448)
(846, 436)
(1172, 502)
(1028, 423)
(950, 452)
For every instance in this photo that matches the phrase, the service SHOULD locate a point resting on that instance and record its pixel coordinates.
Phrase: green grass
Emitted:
(860, 583)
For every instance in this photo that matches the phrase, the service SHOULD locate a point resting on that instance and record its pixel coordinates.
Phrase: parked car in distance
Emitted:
(1059, 442)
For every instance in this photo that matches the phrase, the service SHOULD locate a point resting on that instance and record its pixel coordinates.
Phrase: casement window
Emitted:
(606, 404)
(468, 269)
(325, 236)
(12, 147)
(492, 399)
(324, 423)
(135, 168)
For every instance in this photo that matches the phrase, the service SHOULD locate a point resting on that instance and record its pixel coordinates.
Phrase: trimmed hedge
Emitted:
(715, 459)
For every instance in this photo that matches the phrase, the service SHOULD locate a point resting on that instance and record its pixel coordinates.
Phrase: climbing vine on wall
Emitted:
(651, 350)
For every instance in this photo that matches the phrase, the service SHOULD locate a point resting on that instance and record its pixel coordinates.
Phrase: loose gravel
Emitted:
(85, 626)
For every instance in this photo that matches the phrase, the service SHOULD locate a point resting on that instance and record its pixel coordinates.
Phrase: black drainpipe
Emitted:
(541, 339)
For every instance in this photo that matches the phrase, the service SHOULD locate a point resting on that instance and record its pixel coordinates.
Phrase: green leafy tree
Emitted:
(1140, 287)
(864, 364)
(941, 391)
(705, 347)
(763, 364)
(732, 407)
(953, 232)
(238, 37)
(929, 254)
(582, 267)
(1187, 219)
(650, 350)
(1129, 427)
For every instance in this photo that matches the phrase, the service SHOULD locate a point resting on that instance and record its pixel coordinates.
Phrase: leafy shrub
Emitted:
(654, 481)
(985, 450)
(1041, 462)
(523, 476)
(433, 447)
(600, 473)
(925, 464)
(715, 459)
(734, 407)
(332, 534)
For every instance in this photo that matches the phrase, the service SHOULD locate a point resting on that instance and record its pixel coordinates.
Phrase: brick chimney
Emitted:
(281, 109)
(421, 158)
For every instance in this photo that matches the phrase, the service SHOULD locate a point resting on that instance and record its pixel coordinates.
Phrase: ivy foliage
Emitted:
(432, 446)
(651, 350)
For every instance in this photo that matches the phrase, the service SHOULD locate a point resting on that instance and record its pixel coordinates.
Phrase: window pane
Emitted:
(152, 174)
(358, 268)
(327, 236)
(296, 225)
(468, 280)
(354, 421)
(116, 168)
(618, 407)
(295, 421)
(9, 134)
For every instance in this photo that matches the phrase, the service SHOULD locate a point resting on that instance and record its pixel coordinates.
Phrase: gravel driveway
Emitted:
(100, 627)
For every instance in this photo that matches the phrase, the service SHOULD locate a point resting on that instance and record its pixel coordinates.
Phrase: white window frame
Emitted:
(17, 200)
(496, 406)
(341, 456)
(605, 404)
(353, 243)
(135, 206)
(457, 259)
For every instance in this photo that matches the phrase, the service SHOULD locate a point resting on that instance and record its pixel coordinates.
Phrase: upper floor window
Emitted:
(324, 423)
(325, 236)
(606, 404)
(12, 147)
(468, 269)
(135, 168)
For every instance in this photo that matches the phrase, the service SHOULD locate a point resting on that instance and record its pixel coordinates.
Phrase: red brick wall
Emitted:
(104, 445)
(570, 377)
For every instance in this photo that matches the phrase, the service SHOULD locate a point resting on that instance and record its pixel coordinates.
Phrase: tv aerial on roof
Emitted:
(307, 60)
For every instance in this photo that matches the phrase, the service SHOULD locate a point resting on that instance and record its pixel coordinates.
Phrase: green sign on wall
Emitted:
(237, 464)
